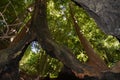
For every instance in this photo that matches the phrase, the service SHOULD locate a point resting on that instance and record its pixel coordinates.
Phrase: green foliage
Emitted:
(63, 32)
(11, 8)
(35, 60)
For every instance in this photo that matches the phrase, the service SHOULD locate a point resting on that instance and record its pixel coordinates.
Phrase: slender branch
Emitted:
(5, 8)
(5, 23)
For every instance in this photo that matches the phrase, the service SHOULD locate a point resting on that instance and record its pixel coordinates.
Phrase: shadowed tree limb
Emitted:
(116, 68)
(107, 17)
(106, 13)
(40, 27)
(13, 51)
(10, 57)
(93, 59)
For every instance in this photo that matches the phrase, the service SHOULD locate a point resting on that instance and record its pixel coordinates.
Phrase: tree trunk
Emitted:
(66, 74)
(40, 27)
(9, 67)
(11, 71)
(10, 57)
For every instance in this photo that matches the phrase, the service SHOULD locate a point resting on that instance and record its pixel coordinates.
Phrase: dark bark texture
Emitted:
(40, 27)
(94, 59)
(10, 57)
(65, 55)
(105, 12)
(10, 72)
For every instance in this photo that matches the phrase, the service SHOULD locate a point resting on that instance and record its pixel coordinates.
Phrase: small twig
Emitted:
(16, 24)
(3, 37)
(5, 8)
(13, 7)
(5, 23)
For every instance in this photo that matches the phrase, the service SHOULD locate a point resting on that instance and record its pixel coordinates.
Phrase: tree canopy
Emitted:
(40, 37)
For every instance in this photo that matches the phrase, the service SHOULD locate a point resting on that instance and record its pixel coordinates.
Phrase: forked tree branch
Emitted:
(40, 27)
(93, 59)
(16, 48)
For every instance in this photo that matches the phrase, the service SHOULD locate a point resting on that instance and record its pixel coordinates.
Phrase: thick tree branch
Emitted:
(106, 13)
(93, 59)
(12, 52)
(40, 27)
(15, 49)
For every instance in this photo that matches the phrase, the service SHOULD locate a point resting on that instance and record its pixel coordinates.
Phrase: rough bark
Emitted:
(116, 68)
(40, 27)
(3, 44)
(94, 60)
(66, 74)
(10, 57)
(107, 16)
(105, 12)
